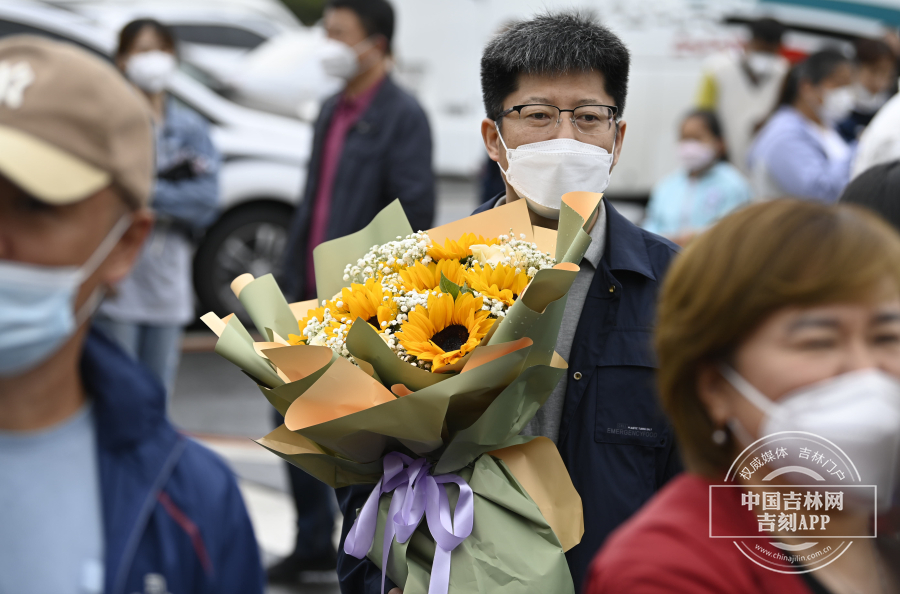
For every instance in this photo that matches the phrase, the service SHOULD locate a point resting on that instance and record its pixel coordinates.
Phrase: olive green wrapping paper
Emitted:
(512, 549)
(341, 419)
(331, 257)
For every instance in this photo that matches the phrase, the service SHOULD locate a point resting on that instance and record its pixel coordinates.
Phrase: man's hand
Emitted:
(396, 591)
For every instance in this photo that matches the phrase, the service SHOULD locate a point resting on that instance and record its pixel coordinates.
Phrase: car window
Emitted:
(222, 35)
(15, 28)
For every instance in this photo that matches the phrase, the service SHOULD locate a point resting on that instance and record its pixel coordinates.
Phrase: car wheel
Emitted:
(249, 238)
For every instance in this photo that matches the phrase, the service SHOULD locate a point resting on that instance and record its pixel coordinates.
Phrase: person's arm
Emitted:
(194, 200)
(410, 176)
(357, 576)
(801, 169)
(234, 554)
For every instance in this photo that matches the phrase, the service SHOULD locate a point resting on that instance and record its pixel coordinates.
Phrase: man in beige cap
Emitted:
(99, 492)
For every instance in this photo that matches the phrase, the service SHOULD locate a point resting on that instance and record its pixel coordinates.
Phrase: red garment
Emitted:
(665, 549)
(346, 113)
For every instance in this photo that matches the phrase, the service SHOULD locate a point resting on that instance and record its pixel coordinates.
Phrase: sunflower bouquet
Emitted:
(431, 304)
(415, 370)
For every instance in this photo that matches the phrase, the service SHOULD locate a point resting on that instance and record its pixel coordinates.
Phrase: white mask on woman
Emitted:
(858, 411)
(836, 105)
(151, 71)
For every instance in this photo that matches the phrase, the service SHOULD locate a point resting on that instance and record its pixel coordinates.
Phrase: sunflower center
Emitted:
(451, 338)
(374, 321)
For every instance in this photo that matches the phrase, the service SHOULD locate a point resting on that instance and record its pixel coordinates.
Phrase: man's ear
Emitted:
(123, 256)
(491, 138)
(620, 140)
(714, 392)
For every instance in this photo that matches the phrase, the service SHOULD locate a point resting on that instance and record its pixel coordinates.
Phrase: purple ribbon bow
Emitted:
(416, 493)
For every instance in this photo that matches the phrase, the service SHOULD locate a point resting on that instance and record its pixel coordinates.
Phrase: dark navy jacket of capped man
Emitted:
(614, 438)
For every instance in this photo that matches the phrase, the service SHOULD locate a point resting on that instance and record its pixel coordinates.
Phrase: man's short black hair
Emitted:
(554, 44)
(376, 16)
(767, 30)
(878, 188)
(872, 51)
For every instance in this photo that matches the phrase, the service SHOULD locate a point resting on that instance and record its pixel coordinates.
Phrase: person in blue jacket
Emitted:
(99, 492)
(798, 151)
(150, 307)
(554, 90)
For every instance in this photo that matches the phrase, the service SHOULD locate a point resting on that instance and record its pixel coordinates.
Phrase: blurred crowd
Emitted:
(765, 128)
(787, 291)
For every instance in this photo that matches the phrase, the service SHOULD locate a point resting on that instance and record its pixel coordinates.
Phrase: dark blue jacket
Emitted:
(614, 439)
(386, 155)
(171, 508)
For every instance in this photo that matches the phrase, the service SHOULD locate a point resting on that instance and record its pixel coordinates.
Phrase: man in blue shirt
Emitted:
(554, 90)
(99, 492)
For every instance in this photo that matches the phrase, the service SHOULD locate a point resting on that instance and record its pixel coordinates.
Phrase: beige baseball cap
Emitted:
(70, 124)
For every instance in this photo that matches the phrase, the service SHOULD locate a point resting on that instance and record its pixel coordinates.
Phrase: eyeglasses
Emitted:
(540, 118)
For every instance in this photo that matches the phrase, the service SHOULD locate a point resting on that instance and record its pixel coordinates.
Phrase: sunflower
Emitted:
(367, 302)
(421, 277)
(458, 250)
(317, 314)
(501, 282)
(446, 330)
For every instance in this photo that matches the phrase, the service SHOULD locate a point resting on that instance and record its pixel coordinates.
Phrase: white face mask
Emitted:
(541, 172)
(761, 63)
(868, 102)
(858, 411)
(151, 71)
(695, 155)
(341, 60)
(37, 306)
(836, 105)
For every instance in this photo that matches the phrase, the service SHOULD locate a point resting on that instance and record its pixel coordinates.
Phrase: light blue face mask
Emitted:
(37, 305)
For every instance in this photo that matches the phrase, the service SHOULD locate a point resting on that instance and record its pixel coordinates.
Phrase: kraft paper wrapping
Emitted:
(342, 419)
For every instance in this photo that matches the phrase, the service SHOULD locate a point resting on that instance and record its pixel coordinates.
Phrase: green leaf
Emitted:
(448, 286)
(466, 288)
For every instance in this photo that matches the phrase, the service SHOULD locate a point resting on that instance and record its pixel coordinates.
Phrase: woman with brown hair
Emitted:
(785, 316)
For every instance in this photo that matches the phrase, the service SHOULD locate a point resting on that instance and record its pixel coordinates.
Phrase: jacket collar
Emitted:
(382, 103)
(129, 402)
(625, 246)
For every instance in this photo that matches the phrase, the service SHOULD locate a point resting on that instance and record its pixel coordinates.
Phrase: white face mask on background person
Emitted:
(341, 60)
(541, 172)
(836, 105)
(858, 411)
(866, 101)
(695, 155)
(761, 63)
(37, 305)
(151, 71)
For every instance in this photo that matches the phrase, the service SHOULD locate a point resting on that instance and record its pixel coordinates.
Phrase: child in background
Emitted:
(704, 189)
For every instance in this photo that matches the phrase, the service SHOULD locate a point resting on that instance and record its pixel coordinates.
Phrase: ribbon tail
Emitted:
(397, 501)
(440, 572)
(362, 533)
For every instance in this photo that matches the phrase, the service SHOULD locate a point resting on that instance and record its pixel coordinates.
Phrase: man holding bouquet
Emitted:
(554, 90)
